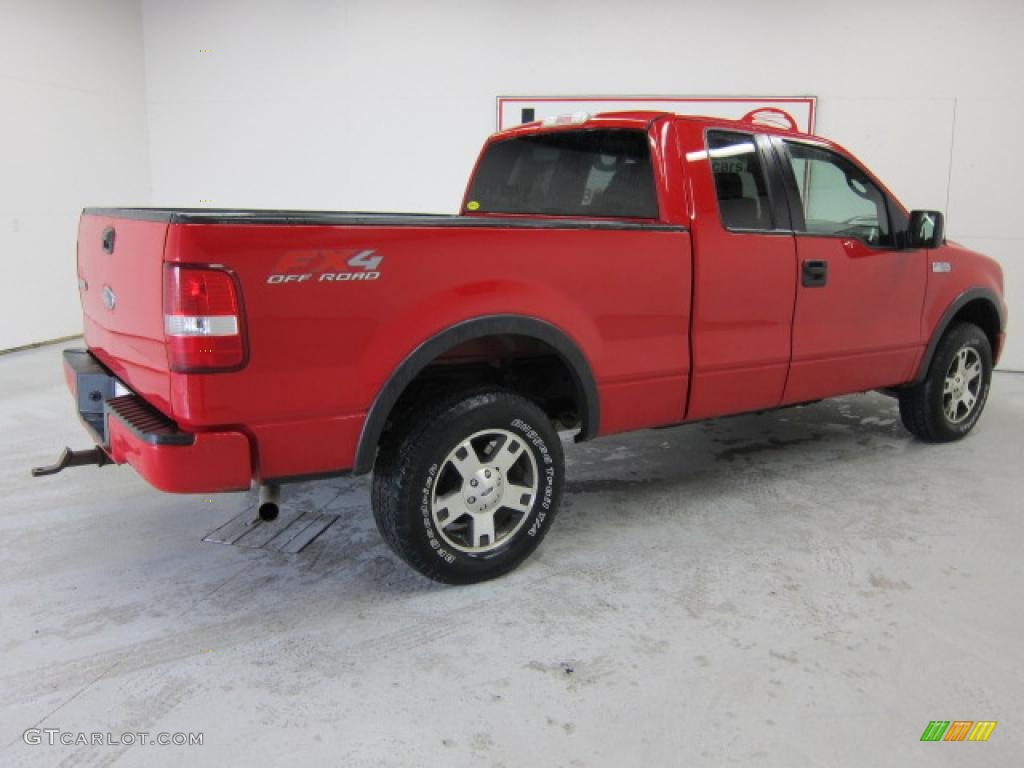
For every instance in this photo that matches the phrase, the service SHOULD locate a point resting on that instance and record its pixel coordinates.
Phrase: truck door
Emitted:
(859, 297)
(744, 278)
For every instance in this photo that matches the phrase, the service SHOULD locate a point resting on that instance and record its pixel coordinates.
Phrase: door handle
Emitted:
(814, 273)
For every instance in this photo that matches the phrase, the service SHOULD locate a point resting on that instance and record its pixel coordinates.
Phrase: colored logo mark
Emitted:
(958, 730)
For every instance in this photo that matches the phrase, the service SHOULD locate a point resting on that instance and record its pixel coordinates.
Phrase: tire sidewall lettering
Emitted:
(547, 474)
(426, 489)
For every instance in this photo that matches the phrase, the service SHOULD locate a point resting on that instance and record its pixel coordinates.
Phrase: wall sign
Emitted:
(796, 112)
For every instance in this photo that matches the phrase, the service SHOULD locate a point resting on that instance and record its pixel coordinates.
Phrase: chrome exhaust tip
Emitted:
(270, 502)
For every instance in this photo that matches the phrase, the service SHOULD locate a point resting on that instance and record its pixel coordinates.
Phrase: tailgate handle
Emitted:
(108, 239)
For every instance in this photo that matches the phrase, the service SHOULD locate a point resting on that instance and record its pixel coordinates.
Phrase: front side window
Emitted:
(594, 173)
(739, 181)
(837, 197)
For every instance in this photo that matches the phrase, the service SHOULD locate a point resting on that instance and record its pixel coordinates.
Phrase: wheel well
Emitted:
(523, 354)
(984, 315)
(978, 306)
(522, 364)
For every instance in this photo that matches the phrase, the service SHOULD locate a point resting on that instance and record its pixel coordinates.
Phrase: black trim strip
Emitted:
(784, 168)
(361, 219)
(776, 173)
(428, 351)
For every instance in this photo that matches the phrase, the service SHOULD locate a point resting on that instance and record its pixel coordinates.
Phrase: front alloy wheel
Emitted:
(962, 387)
(948, 403)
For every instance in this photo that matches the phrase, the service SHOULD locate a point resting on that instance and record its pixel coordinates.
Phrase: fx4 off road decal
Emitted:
(327, 266)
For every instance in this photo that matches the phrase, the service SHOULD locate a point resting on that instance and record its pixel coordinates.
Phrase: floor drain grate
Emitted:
(292, 532)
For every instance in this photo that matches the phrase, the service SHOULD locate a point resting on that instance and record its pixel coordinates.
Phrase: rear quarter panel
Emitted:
(319, 351)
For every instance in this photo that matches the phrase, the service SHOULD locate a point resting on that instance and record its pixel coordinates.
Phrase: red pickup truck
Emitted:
(605, 273)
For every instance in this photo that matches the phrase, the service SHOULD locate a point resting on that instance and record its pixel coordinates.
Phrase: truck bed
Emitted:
(318, 351)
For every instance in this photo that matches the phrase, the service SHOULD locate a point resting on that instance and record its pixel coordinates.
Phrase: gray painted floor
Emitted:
(808, 587)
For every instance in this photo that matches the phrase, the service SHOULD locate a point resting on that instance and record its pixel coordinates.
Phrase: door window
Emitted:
(837, 197)
(739, 181)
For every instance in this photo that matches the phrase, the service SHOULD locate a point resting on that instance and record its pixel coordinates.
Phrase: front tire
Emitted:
(467, 490)
(949, 402)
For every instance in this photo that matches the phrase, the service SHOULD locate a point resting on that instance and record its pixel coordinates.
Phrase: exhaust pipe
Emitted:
(270, 502)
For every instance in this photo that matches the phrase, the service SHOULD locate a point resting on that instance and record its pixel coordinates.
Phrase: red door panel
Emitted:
(743, 294)
(861, 329)
(859, 300)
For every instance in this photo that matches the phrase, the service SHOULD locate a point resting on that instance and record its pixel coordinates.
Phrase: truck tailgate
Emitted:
(120, 272)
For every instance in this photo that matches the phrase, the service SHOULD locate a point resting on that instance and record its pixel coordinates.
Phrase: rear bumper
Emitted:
(131, 431)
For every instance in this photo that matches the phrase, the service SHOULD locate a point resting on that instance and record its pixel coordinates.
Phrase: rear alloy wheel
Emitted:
(470, 487)
(949, 402)
(484, 491)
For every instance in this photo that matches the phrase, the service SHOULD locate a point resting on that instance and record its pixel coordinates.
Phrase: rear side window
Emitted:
(602, 173)
(739, 181)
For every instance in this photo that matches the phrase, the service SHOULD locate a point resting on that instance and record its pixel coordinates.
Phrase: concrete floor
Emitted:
(808, 587)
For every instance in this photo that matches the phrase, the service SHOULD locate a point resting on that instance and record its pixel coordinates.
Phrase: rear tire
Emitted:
(948, 403)
(467, 490)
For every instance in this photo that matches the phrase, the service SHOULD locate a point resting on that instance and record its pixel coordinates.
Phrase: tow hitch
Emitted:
(71, 458)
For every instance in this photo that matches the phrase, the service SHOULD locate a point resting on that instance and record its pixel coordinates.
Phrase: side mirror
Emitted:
(927, 229)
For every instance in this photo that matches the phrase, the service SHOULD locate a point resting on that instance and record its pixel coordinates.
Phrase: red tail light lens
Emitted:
(202, 320)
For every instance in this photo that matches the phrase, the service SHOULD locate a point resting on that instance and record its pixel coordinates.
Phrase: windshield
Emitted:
(594, 173)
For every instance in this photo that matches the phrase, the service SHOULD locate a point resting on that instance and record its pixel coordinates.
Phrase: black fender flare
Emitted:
(467, 330)
(961, 301)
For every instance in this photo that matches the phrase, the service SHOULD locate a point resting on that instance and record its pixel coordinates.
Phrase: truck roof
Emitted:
(637, 119)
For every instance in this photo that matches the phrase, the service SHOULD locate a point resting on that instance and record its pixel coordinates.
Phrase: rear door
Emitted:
(859, 297)
(744, 272)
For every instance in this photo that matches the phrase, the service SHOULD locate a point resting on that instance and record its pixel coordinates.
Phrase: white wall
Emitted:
(72, 133)
(382, 105)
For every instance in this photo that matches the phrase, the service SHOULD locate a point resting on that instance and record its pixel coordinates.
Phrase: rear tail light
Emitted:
(202, 320)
